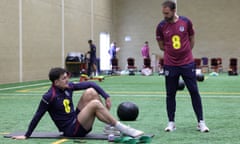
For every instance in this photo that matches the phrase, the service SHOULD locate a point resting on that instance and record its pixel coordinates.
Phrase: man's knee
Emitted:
(95, 103)
(87, 96)
(91, 91)
(90, 94)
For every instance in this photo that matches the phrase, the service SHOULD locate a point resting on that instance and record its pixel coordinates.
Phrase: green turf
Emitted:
(220, 97)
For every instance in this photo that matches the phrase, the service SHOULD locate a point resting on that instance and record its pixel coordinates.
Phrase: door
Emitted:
(104, 47)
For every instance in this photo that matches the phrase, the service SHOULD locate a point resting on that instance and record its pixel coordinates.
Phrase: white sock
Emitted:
(120, 126)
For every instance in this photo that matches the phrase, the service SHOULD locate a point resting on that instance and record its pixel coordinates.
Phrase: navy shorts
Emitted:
(188, 74)
(92, 60)
(186, 71)
(76, 129)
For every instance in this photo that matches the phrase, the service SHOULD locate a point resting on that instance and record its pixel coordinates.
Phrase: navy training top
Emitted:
(58, 103)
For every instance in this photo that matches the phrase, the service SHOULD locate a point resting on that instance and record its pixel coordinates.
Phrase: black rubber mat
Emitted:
(58, 135)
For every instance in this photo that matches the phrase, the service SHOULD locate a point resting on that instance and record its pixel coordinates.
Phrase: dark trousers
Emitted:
(188, 74)
(89, 69)
(91, 63)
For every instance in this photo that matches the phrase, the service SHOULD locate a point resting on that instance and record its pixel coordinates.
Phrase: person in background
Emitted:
(58, 102)
(145, 50)
(92, 68)
(147, 69)
(113, 51)
(175, 37)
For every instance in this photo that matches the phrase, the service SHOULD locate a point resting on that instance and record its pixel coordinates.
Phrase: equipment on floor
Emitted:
(200, 77)
(127, 111)
(85, 77)
(181, 85)
(47, 135)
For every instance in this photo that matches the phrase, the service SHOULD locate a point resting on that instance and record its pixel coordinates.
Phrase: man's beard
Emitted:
(170, 19)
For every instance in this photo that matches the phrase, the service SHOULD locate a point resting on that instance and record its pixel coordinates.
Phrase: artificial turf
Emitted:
(220, 98)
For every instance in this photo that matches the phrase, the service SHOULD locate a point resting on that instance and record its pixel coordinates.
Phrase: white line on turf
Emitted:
(131, 95)
(24, 86)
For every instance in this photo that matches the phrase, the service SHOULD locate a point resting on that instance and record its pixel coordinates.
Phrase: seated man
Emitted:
(57, 101)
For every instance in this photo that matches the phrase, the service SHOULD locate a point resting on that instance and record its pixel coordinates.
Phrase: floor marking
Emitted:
(180, 96)
(24, 86)
(32, 89)
(6, 95)
(132, 93)
(4, 133)
(23, 91)
(60, 141)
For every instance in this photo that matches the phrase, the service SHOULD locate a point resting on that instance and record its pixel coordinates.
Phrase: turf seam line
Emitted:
(60, 141)
(24, 86)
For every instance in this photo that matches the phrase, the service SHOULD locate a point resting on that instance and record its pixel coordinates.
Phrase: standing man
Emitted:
(113, 51)
(92, 61)
(175, 36)
(58, 102)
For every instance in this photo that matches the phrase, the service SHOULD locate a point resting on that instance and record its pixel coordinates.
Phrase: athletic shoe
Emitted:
(132, 132)
(126, 130)
(202, 127)
(170, 127)
(111, 130)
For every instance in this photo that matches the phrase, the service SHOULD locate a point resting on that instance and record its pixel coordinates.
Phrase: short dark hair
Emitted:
(170, 4)
(89, 41)
(55, 73)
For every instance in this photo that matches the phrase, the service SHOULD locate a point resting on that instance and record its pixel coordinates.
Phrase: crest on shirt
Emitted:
(166, 73)
(67, 93)
(181, 28)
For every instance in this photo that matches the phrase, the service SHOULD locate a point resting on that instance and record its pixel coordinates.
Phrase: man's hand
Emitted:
(19, 137)
(161, 45)
(108, 103)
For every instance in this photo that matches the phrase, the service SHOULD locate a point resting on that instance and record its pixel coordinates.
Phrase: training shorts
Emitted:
(76, 129)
